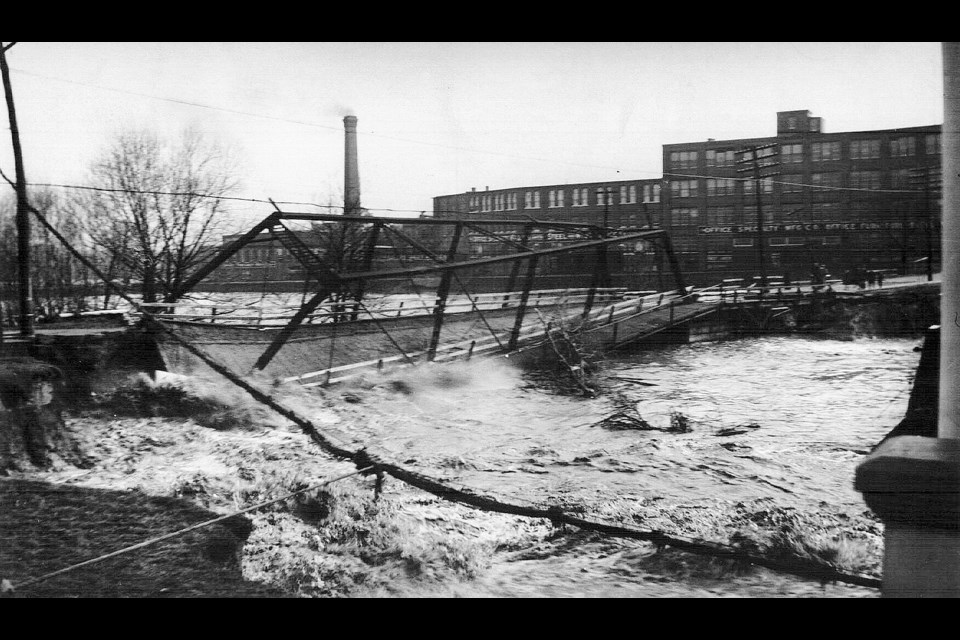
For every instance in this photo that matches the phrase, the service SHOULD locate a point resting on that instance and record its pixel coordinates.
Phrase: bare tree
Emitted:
(158, 207)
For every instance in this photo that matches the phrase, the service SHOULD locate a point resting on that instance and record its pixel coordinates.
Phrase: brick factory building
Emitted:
(848, 201)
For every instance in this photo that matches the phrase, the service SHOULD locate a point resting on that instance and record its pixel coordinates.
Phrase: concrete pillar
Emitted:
(949, 425)
(913, 482)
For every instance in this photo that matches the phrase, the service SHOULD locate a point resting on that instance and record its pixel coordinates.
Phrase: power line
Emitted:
(175, 100)
(308, 123)
(433, 144)
(175, 193)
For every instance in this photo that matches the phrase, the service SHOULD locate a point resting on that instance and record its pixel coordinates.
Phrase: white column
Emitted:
(949, 409)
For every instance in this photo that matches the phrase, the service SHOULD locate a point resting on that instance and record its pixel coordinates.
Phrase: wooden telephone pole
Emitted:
(23, 213)
(928, 179)
(754, 160)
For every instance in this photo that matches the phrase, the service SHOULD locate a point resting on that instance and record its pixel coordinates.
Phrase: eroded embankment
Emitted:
(904, 313)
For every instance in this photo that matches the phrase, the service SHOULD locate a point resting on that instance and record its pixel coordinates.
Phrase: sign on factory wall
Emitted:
(818, 226)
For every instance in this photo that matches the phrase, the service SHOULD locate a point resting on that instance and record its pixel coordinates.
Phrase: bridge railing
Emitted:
(264, 315)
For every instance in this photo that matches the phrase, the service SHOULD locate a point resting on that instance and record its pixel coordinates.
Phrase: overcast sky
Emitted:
(439, 118)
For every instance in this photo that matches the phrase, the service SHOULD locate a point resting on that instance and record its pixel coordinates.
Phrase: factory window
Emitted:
(628, 194)
(684, 216)
(512, 201)
(716, 158)
(749, 214)
(683, 188)
(864, 179)
(902, 147)
(791, 183)
(863, 149)
(580, 197)
(825, 179)
(720, 186)
(651, 193)
(791, 153)
(720, 216)
(932, 143)
(825, 151)
(683, 159)
(743, 242)
(604, 195)
(749, 186)
(787, 241)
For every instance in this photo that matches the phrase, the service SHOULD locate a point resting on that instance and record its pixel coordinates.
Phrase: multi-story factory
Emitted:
(851, 200)
(861, 200)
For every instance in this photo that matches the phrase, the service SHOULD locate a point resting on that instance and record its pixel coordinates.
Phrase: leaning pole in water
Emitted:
(913, 482)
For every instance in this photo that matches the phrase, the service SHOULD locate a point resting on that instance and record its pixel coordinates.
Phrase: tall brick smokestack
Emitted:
(351, 171)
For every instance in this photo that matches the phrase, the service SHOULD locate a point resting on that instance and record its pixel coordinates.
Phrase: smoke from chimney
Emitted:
(351, 170)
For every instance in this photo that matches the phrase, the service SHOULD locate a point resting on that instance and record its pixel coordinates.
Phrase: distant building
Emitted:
(862, 199)
(620, 204)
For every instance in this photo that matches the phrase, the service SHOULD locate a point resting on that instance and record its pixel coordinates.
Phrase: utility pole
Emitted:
(758, 158)
(602, 252)
(928, 179)
(23, 213)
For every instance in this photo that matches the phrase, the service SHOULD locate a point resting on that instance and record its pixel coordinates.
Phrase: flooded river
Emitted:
(781, 417)
(767, 432)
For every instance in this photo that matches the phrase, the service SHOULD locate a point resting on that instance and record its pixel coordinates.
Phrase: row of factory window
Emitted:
(557, 198)
(903, 146)
(815, 212)
(902, 179)
(743, 242)
(259, 255)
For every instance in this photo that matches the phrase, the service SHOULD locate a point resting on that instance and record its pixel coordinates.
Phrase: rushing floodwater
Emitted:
(784, 418)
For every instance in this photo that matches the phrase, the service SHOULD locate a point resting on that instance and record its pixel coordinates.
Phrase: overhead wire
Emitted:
(454, 147)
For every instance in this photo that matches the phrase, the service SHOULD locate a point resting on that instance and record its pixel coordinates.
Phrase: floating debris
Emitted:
(679, 423)
(635, 381)
(738, 430)
(622, 421)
